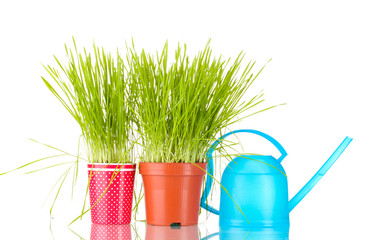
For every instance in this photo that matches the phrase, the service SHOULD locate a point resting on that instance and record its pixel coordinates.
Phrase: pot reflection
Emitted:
(232, 233)
(110, 232)
(170, 233)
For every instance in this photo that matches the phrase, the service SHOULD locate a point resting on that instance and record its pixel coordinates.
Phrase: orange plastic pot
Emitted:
(172, 192)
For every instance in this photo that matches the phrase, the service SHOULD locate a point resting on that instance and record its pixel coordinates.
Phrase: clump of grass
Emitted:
(96, 92)
(182, 106)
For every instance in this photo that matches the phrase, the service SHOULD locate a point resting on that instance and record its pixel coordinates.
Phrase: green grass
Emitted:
(95, 90)
(174, 110)
(183, 105)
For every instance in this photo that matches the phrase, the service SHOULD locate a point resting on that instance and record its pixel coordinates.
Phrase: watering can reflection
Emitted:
(235, 233)
(254, 187)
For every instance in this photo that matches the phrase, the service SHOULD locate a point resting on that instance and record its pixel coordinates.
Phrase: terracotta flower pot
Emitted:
(111, 188)
(172, 192)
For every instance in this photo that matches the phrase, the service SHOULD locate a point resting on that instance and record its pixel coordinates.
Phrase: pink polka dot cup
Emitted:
(111, 192)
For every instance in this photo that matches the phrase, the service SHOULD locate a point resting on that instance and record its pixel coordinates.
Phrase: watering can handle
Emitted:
(210, 168)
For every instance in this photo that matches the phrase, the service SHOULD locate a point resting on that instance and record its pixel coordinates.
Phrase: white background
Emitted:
(320, 68)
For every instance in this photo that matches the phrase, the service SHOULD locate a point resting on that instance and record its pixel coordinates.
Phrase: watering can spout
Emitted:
(315, 179)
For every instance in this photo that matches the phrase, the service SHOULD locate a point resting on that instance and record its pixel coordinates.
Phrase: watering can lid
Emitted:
(255, 164)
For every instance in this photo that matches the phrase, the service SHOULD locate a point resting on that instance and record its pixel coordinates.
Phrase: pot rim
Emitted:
(111, 166)
(111, 163)
(150, 168)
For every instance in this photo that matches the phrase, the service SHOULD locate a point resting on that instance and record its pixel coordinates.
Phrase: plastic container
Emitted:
(111, 192)
(172, 192)
(257, 185)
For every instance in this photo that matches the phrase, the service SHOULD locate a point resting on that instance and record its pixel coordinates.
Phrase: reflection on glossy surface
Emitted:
(170, 233)
(229, 233)
(110, 232)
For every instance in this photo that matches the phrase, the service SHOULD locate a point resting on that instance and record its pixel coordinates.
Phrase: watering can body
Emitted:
(254, 189)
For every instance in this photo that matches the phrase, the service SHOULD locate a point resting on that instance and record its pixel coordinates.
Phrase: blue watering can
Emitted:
(254, 187)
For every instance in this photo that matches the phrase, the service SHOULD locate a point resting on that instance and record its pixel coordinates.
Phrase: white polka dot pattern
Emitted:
(110, 232)
(114, 201)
